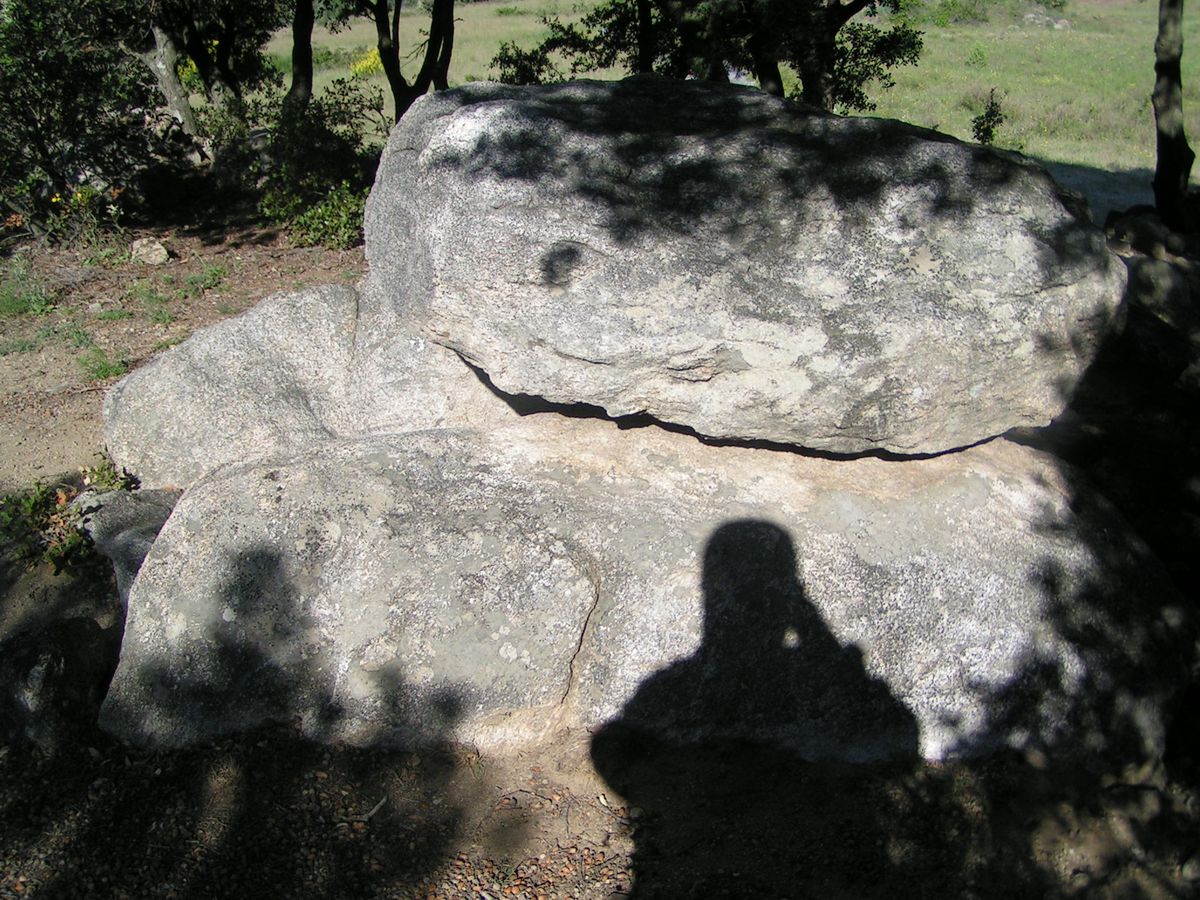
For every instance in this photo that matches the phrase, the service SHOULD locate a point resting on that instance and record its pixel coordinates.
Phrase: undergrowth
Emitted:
(44, 523)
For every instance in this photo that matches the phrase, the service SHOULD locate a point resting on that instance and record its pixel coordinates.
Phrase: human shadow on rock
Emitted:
(721, 813)
(269, 803)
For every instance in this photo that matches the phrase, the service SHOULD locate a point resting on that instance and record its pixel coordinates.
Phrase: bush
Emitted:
(44, 522)
(336, 222)
(73, 114)
(984, 125)
(320, 165)
(367, 64)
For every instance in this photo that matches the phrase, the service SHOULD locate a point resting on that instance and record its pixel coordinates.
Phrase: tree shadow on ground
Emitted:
(264, 806)
(1106, 190)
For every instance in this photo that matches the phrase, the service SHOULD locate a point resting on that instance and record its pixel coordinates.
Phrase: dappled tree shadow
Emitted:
(678, 160)
(1128, 447)
(259, 807)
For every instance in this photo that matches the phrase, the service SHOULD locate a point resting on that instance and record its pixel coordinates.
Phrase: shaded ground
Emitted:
(588, 816)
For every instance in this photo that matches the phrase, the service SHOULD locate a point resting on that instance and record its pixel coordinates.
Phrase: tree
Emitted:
(224, 39)
(300, 93)
(385, 15)
(1175, 156)
(834, 58)
(74, 108)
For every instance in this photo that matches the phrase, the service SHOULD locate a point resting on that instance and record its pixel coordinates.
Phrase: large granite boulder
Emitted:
(375, 545)
(748, 268)
(493, 588)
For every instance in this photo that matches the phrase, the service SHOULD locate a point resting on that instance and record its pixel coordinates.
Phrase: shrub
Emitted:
(984, 125)
(72, 113)
(45, 523)
(367, 64)
(320, 165)
(336, 222)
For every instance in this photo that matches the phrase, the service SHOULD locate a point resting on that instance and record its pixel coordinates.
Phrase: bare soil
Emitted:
(593, 816)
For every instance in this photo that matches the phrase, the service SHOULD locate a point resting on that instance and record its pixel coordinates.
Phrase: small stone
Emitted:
(148, 252)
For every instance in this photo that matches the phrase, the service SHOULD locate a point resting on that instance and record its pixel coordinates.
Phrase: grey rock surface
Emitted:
(123, 526)
(494, 588)
(748, 268)
(294, 372)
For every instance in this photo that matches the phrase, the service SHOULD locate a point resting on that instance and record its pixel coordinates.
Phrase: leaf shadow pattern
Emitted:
(276, 809)
(1127, 446)
(649, 160)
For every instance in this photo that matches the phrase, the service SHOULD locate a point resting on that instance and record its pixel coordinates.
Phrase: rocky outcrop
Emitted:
(496, 588)
(742, 266)
(376, 544)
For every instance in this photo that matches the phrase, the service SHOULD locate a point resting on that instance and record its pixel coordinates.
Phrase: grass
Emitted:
(18, 345)
(1079, 95)
(22, 292)
(479, 30)
(98, 366)
(209, 279)
(153, 302)
(109, 257)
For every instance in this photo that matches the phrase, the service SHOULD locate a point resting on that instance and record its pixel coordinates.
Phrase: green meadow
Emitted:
(1079, 94)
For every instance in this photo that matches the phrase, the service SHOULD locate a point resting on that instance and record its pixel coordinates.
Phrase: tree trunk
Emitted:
(443, 28)
(389, 54)
(300, 93)
(163, 62)
(1175, 157)
(646, 43)
(766, 68)
(816, 74)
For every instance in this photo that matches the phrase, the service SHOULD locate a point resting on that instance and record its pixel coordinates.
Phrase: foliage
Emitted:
(705, 39)
(336, 222)
(21, 291)
(74, 111)
(84, 215)
(223, 43)
(366, 64)
(46, 523)
(867, 54)
(319, 166)
(40, 523)
(104, 476)
(984, 125)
